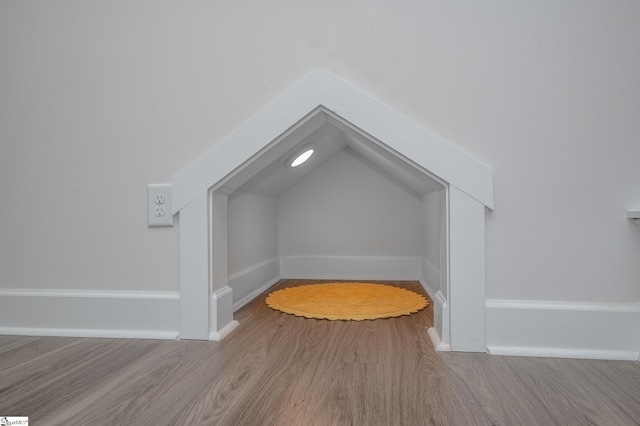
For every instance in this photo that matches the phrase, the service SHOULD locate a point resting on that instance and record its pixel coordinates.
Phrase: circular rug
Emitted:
(346, 301)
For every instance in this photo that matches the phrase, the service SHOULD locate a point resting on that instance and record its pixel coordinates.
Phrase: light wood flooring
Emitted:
(277, 369)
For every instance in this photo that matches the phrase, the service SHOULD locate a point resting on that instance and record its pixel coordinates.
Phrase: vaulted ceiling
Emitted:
(267, 173)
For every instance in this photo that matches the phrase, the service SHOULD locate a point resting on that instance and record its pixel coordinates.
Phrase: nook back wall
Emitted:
(343, 208)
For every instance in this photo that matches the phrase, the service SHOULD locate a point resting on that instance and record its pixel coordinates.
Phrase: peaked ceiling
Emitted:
(269, 175)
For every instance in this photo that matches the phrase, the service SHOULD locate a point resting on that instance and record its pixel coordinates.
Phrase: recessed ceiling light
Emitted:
(301, 155)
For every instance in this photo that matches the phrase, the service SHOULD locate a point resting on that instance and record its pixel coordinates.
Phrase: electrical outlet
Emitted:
(159, 205)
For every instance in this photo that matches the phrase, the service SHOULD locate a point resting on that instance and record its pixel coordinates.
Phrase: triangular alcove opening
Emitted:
(387, 225)
(250, 162)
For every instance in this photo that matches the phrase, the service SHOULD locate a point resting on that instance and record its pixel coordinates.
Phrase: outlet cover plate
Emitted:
(159, 201)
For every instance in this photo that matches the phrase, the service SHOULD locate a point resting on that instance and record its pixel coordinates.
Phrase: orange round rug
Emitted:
(346, 301)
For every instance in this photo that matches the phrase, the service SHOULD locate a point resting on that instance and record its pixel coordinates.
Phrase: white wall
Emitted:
(252, 245)
(99, 99)
(253, 234)
(343, 208)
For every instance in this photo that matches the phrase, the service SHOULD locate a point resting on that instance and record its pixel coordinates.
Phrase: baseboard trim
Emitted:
(401, 268)
(250, 282)
(438, 344)
(563, 329)
(221, 314)
(427, 287)
(257, 292)
(252, 268)
(222, 333)
(440, 299)
(78, 332)
(72, 313)
(564, 353)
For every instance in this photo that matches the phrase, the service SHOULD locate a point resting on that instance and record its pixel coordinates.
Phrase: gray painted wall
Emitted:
(343, 208)
(253, 236)
(99, 99)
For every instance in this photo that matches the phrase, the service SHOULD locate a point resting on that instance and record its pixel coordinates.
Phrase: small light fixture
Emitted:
(301, 155)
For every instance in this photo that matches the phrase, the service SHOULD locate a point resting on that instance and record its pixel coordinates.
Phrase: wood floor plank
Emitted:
(39, 390)
(278, 369)
(29, 349)
(147, 393)
(9, 342)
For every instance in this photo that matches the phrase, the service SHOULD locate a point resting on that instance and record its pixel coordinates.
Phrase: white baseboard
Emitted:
(563, 353)
(221, 313)
(79, 332)
(437, 342)
(428, 288)
(401, 268)
(440, 327)
(255, 293)
(565, 330)
(224, 331)
(113, 314)
(250, 282)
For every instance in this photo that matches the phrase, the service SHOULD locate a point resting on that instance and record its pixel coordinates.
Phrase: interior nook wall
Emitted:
(252, 243)
(253, 236)
(343, 208)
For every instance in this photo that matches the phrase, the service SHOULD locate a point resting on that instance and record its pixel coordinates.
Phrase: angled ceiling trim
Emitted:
(322, 88)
